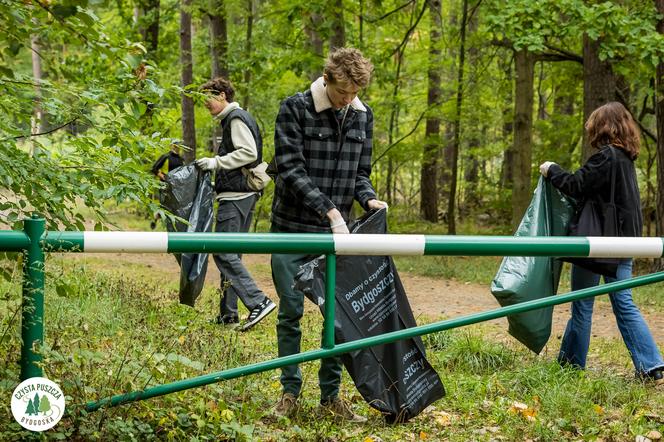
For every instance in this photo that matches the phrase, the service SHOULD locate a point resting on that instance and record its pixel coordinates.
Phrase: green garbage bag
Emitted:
(524, 278)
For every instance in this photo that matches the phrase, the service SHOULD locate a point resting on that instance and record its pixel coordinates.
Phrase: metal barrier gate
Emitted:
(34, 241)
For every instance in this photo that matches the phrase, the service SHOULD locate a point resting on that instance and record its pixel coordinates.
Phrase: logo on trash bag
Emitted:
(38, 404)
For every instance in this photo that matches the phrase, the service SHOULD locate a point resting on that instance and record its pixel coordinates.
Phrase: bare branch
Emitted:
(387, 149)
(410, 30)
(41, 133)
(387, 14)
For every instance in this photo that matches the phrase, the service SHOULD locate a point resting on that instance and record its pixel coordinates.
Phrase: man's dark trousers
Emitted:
(235, 216)
(291, 308)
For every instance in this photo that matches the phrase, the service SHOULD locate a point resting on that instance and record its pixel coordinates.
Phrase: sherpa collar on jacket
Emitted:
(322, 102)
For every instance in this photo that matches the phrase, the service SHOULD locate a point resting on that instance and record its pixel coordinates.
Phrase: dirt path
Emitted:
(429, 297)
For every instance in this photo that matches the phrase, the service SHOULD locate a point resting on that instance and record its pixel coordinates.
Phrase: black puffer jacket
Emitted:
(593, 181)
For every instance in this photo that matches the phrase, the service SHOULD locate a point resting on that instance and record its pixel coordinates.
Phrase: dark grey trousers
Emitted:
(235, 216)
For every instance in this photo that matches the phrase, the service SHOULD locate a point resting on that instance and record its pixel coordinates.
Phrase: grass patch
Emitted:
(109, 332)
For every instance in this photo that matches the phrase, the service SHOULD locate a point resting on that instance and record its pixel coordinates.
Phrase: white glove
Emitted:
(544, 167)
(375, 204)
(206, 164)
(340, 227)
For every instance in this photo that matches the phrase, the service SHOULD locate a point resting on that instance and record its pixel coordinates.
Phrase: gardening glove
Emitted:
(375, 204)
(337, 223)
(340, 227)
(544, 167)
(207, 164)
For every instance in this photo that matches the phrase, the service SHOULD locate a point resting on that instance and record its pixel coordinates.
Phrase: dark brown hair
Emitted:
(613, 124)
(348, 65)
(219, 85)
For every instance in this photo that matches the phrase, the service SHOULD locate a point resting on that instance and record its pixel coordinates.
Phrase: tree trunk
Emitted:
(431, 150)
(599, 84)
(563, 106)
(38, 123)
(218, 38)
(247, 53)
(659, 113)
(507, 171)
(361, 24)
(471, 163)
(147, 16)
(338, 37)
(186, 63)
(149, 26)
(312, 24)
(523, 127)
(542, 98)
(451, 203)
(389, 189)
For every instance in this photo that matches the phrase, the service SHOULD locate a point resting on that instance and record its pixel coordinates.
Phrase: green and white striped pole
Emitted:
(354, 244)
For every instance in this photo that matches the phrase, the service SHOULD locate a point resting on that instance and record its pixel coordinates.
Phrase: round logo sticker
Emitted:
(38, 404)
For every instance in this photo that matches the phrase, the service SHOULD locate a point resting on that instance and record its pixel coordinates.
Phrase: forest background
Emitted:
(469, 97)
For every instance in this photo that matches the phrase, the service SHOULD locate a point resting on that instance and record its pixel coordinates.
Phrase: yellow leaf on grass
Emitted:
(523, 410)
(441, 418)
(423, 435)
(181, 340)
(598, 409)
(227, 415)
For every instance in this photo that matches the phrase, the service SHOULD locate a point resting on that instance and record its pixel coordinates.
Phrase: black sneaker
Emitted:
(655, 376)
(259, 312)
(226, 320)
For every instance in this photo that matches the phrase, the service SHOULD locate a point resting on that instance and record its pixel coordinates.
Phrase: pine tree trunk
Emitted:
(523, 127)
(150, 32)
(659, 112)
(218, 38)
(599, 84)
(247, 53)
(431, 150)
(338, 37)
(312, 23)
(451, 203)
(507, 171)
(38, 123)
(186, 64)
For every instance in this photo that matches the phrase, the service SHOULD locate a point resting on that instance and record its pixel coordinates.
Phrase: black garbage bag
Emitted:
(395, 378)
(525, 278)
(189, 195)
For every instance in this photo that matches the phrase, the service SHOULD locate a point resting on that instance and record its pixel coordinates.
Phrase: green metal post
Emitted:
(330, 300)
(32, 323)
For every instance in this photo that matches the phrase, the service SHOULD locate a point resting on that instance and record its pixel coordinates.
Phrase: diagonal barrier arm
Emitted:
(374, 340)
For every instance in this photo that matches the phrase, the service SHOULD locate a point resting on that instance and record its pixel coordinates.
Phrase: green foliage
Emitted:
(92, 98)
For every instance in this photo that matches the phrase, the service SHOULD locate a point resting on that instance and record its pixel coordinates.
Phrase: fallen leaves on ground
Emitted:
(524, 410)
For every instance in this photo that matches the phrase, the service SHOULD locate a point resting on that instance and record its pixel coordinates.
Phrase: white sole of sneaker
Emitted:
(258, 318)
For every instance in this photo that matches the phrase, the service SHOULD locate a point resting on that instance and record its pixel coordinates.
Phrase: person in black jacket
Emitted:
(169, 161)
(614, 134)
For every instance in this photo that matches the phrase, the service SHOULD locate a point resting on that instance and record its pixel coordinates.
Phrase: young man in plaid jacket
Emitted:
(322, 143)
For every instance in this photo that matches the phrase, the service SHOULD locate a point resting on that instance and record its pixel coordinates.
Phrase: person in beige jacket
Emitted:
(241, 147)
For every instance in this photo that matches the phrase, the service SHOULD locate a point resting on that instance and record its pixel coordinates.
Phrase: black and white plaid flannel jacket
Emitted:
(320, 166)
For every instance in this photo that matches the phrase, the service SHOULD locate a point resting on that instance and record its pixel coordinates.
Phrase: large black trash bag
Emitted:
(526, 278)
(395, 378)
(189, 194)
